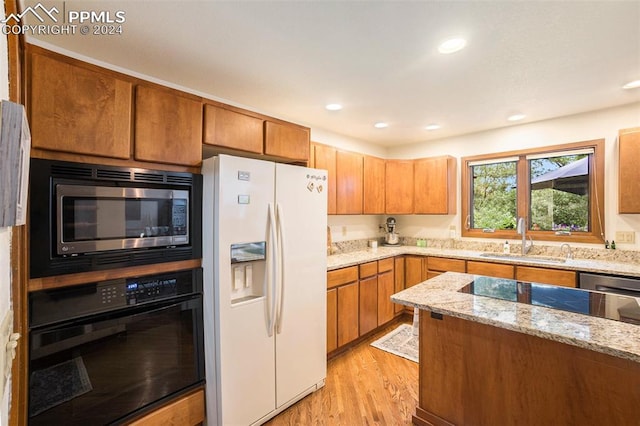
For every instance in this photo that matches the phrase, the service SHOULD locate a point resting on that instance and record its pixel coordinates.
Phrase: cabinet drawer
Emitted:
(445, 265)
(385, 265)
(498, 270)
(342, 276)
(546, 276)
(188, 410)
(368, 269)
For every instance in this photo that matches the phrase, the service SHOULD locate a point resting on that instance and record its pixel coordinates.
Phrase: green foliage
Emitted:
(494, 196)
(553, 210)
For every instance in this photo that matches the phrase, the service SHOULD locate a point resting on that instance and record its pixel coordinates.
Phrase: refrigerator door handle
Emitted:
(280, 275)
(272, 271)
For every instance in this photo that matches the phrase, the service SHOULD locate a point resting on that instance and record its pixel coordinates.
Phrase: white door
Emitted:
(247, 353)
(301, 197)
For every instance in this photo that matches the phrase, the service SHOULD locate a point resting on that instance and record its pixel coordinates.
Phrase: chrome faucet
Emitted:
(521, 228)
(569, 253)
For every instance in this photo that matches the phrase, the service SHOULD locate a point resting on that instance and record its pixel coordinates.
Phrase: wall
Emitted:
(581, 127)
(5, 233)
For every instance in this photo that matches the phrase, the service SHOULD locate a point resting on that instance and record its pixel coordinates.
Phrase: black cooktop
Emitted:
(593, 303)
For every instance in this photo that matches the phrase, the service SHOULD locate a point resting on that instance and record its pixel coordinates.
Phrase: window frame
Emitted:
(523, 202)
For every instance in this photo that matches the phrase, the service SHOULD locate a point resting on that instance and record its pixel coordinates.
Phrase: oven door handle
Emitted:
(56, 339)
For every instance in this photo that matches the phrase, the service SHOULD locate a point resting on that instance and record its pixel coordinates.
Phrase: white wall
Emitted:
(581, 127)
(5, 233)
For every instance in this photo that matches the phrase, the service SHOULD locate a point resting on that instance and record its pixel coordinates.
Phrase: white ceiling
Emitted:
(379, 59)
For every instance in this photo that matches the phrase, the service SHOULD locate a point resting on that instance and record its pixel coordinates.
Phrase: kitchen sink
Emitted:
(537, 259)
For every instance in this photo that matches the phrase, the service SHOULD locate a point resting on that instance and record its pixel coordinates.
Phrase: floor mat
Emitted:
(401, 342)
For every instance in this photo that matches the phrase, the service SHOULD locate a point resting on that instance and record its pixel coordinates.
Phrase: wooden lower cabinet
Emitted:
(359, 300)
(398, 273)
(498, 270)
(547, 276)
(368, 304)
(347, 319)
(413, 270)
(443, 264)
(342, 307)
(476, 374)
(332, 320)
(386, 308)
(186, 411)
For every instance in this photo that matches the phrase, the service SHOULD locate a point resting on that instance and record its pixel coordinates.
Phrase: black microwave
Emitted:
(87, 217)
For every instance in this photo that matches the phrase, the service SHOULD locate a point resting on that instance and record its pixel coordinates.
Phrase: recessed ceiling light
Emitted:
(516, 117)
(380, 125)
(452, 45)
(333, 107)
(632, 85)
(433, 126)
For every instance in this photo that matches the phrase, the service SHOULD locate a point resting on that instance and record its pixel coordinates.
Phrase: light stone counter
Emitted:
(337, 261)
(441, 295)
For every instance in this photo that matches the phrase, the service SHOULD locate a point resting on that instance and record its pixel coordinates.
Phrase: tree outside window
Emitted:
(558, 189)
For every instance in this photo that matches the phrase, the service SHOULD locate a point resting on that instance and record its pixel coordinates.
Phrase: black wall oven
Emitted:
(86, 217)
(106, 352)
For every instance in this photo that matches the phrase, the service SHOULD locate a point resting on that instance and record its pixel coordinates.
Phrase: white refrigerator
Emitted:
(264, 261)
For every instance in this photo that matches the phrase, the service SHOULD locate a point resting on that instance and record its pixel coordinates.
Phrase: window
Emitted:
(559, 190)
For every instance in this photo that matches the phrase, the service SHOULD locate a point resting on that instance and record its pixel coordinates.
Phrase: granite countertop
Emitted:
(441, 295)
(337, 261)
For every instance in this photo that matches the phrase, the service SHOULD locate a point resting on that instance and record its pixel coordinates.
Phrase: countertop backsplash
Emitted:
(538, 249)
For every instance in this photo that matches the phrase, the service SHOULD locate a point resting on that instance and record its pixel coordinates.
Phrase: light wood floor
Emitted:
(365, 386)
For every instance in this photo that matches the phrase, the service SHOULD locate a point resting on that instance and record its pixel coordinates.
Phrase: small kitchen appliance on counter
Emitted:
(391, 238)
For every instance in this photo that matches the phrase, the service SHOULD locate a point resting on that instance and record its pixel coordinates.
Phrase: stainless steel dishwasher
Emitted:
(625, 308)
(626, 286)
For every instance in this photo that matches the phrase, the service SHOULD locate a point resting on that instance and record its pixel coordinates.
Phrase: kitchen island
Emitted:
(486, 361)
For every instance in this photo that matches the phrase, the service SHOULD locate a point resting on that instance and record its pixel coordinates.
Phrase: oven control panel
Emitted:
(143, 290)
(49, 306)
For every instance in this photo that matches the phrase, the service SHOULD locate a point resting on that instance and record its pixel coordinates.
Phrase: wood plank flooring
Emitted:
(365, 386)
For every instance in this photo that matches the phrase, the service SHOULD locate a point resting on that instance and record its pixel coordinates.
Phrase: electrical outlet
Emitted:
(626, 237)
(344, 231)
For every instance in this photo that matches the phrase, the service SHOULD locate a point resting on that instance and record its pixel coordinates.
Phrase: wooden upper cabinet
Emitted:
(324, 157)
(77, 109)
(348, 183)
(628, 172)
(230, 129)
(373, 185)
(435, 185)
(287, 141)
(399, 183)
(168, 126)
